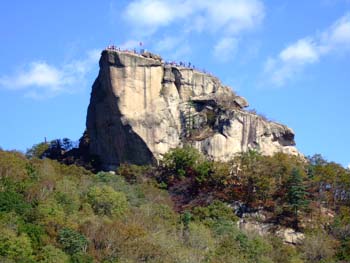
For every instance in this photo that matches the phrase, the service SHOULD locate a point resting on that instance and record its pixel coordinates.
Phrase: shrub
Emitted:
(215, 212)
(50, 213)
(82, 258)
(200, 237)
(318, 247)
(67, 195)
(203, 169)
(105, 177)
(72, 242)
(38, 150)
(51, 254)
(343, 253)
(15, 247)
(34, 232)
(283, 253)
(12, 201)
(132, 173)
(106, 201)
(180, 160)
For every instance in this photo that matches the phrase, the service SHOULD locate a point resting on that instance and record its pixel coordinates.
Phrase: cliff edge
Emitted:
(141, 107)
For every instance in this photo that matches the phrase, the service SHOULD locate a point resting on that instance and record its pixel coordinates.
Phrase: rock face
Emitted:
(141, 107)
(288, 235)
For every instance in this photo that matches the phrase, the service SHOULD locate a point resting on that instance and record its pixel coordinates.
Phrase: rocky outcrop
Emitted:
(288, 235)
(141, 107)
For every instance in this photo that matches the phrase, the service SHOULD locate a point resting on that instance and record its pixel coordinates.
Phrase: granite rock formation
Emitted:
(141, 107)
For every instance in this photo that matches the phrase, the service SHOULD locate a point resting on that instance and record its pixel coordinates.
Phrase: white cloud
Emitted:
(234, 15)
(303, 51)
(230, 15)
(146, 16)
(39, 74)
(39, 79)
(308, 50)
(224, 19)
(339, 33)
(150, 13)
(225, 48)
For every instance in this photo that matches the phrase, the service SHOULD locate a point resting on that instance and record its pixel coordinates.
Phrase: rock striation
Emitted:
(141, 107)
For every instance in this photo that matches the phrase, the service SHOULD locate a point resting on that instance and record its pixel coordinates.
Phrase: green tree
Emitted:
(341, 230)
(12, 201)
(15, 247)
(72, 241)
(217, 212)
(106, 201)
(37, 150)
(51, 254)
(51, 214)
(255, 178)
(180, 160)
(186, 218)
(82, 258)
(34, 232)
(297, 194)
(203, 170)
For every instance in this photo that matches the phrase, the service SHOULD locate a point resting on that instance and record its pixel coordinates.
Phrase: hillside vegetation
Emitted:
(180, 211)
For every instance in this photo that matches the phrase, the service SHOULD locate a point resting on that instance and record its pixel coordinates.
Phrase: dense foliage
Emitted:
(180, 211)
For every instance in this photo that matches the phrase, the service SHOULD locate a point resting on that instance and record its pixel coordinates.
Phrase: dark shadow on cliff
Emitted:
(112, 140)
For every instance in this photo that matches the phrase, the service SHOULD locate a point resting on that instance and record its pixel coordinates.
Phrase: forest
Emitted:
(185, 209)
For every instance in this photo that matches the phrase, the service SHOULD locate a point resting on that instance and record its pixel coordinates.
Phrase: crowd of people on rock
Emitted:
(185, 65)
(180, 64)
(134, 51)
(171, 63)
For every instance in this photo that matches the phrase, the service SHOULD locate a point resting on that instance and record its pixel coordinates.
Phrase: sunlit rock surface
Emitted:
(141, 107)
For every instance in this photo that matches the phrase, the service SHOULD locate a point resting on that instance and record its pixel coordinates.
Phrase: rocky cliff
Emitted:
(141, 107)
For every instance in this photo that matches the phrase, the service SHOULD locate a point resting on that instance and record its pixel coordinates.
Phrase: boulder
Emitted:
(241, 102)
(147, 54)
(290, 236)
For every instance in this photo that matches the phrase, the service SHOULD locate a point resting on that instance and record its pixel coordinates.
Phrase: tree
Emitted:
(51, 254)
(82, 258)
(15, 247)
(216, 212)
(51, 215)
(106, 201)
(180, 160)
(34, 232)
(37, 150)
(12, 201)
(72, 242)
(186, 219)
(318, 247)
(296, 194)
(55, 149)
(255, 180)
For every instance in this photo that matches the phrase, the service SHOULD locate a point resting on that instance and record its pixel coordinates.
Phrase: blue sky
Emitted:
(289, 58)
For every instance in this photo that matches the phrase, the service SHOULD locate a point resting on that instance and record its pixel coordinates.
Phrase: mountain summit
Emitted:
(141, 107)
